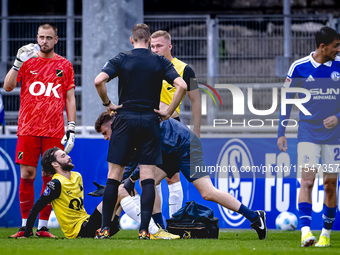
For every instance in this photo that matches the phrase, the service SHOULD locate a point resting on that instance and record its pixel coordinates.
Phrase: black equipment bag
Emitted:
(193, 221)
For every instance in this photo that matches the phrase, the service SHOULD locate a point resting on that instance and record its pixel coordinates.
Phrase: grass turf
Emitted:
(126, 242)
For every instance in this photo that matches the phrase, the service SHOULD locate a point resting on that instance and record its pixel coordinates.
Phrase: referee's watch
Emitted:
(107, 103)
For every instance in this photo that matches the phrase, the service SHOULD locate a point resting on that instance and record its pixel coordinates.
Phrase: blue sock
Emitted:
(158, 219)
(328, 216)
(248, 213)
(305, 212)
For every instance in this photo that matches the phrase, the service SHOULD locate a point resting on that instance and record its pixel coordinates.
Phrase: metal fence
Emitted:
(243, 50)
(251, 47)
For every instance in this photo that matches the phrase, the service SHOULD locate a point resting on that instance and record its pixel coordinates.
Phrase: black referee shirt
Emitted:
(140, 74)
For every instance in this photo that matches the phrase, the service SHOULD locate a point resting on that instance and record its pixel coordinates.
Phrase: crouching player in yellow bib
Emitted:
(66, 194)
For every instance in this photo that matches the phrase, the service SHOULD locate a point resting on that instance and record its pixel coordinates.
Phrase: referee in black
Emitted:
(136, 125)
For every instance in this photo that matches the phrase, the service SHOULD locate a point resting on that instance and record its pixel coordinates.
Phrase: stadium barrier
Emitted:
(248, 166)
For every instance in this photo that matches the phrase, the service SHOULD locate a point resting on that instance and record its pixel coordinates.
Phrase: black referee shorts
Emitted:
(132, 131)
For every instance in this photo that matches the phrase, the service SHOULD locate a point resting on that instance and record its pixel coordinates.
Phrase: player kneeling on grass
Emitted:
(66, 194)
(182, 151)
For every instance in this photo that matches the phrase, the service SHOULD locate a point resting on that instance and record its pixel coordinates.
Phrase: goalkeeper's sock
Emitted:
(133, 211)
(305, 214)
(158, 219)
(248, 213)
(45, 213)
(328, 217)
(175, 197)
(26, 196)
(109, 201)
(42, 223)
(147, 202)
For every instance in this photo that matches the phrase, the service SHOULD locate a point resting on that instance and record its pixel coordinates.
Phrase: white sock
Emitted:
(175, 197)
(326, 232)
(133, 211)
(136, 199)
(159, 190)
(305, 230)
(24, 221)
(42, 223)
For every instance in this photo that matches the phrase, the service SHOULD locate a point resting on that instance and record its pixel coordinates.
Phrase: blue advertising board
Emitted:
(253, 170)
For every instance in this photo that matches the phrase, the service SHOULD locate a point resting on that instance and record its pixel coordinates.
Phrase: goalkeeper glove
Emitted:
(99, 192)
(25, 53)
(69, 136)
(129, 185)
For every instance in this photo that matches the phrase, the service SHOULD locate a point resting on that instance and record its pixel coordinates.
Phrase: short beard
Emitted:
(46, 51)
(66, 167)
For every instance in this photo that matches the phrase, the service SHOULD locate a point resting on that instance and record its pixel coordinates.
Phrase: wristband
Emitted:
(16, 68)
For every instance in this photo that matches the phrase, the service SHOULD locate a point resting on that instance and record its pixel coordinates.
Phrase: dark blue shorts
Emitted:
(189, 160)
(132, 168)
(132, 131)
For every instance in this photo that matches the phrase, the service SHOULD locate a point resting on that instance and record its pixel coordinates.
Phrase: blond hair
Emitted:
(161, 33)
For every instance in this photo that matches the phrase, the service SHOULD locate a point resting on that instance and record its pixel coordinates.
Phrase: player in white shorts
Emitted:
(309, 155)
(319, 133)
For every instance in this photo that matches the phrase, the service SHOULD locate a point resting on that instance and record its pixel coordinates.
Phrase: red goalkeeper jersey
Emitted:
(44, 83)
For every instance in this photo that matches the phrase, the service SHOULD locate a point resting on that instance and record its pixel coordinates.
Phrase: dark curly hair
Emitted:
(103, 118)
(47, 159)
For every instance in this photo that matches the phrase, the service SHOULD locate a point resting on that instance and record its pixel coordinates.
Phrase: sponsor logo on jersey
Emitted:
(47, 191)
(310, 78)
(324, 93)
(287, 83)
(20, 154)
(240, 184)
(33, 89)
(69, 192)
(335, 76)
(51, 185)
(34, 72)
(59, 73)
(8, 182)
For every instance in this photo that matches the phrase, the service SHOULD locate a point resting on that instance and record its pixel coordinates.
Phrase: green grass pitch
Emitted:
(126, 242)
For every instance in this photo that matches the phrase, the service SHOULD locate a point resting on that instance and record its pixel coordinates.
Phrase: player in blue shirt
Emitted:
(318, 133)
(140, 74)
(182, 151)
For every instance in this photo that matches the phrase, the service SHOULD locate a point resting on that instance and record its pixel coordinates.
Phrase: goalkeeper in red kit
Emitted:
(47, 86)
